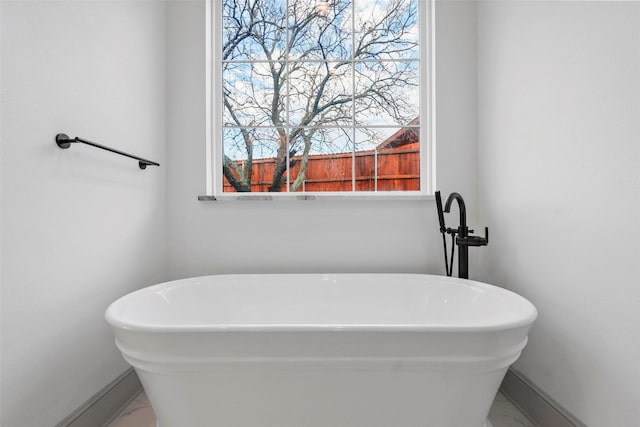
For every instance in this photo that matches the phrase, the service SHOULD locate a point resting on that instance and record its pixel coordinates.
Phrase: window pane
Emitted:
(388, 159)
(320, 94)
(317, 93)
(323, 159)
(320, 29)
(387, 93)
(386, 29)
(251, 157)
(253, 30)
(249, 94)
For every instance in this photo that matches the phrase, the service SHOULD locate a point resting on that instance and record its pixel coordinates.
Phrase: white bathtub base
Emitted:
(486, 424)
(321, 398)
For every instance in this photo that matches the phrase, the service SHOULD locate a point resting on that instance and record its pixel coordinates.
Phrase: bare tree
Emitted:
(298, 73)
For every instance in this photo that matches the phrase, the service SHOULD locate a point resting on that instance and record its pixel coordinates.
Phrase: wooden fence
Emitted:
(398, 169)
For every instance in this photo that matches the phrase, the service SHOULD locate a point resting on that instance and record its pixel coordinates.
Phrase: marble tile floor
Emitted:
(140, 414)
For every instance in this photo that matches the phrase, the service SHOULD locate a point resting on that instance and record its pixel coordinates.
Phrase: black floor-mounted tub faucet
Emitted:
(463, 239)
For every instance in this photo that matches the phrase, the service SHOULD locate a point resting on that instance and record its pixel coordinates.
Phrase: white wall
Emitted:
(320, 235)
(559, 167)
(80, 227)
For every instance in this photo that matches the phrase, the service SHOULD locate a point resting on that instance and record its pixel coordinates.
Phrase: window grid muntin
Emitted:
(288, 91)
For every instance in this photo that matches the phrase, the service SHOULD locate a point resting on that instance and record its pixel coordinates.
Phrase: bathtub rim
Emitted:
(525, 321)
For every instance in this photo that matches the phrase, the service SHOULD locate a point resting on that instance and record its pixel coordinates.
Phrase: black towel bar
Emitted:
(64, 141)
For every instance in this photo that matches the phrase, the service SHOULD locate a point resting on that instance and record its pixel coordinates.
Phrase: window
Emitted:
(316, 97)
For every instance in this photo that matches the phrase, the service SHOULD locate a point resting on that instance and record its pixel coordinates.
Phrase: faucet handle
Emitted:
(474, 240)
(486, 235)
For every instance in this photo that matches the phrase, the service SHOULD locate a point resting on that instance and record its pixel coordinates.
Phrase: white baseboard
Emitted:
(104, 406)
(535, 404)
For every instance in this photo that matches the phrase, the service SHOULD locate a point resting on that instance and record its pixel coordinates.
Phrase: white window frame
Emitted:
(214, 125)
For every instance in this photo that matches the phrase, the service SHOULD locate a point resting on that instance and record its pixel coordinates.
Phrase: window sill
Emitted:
(316, 196)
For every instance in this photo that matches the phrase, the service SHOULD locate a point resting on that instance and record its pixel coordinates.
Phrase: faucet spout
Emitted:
(461, 207)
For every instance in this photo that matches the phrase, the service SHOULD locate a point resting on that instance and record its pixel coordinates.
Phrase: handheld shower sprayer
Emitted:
(443, 230)
(440, 212)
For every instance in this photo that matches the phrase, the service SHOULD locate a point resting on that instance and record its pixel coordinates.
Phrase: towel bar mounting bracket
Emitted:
(63, 140)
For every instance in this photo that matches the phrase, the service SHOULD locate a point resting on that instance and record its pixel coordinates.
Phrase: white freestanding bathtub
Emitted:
(321, 350)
